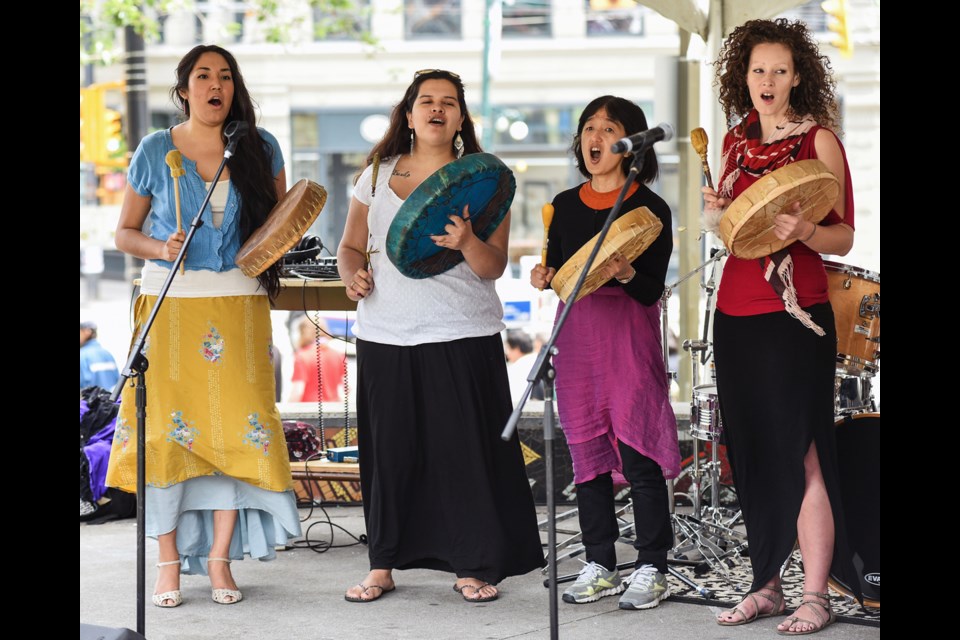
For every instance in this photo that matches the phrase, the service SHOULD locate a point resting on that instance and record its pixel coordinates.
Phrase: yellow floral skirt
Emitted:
(210, 397)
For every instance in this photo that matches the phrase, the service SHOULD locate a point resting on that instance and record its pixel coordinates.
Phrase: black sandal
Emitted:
(476, 591)
(364, 588)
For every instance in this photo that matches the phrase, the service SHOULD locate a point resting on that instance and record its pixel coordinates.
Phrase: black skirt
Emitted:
(775, 381)
(441, 490)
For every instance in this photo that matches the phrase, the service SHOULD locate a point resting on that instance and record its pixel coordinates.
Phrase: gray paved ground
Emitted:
(300, 595)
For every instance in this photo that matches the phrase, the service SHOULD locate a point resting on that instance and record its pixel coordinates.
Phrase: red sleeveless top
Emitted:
(743, 289)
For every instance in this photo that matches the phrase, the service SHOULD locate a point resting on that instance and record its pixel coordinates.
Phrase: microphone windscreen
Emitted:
(236, 129)
(668, 131)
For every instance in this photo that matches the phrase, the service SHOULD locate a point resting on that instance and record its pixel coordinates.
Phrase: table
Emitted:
(313, 295)
(323, 470)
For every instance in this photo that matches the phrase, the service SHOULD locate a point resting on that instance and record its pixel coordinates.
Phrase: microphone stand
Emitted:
(543, 370)
(137, 365)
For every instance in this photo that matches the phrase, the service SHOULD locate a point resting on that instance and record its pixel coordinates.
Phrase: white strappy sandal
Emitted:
(168, 599)
(225, 596)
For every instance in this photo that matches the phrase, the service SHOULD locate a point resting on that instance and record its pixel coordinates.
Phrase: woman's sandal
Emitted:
(779, 606)
(225, 596)
(476, 591)
(820, 623)
(168, 599)
(365, 589)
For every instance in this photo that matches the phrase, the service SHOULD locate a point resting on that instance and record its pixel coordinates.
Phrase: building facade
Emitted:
(326, 96)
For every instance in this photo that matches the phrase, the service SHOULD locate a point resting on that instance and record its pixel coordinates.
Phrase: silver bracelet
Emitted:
(628, 279)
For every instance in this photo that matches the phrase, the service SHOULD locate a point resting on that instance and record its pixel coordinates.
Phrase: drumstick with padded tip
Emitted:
(547, 214)
(698, 138)
(175, 161)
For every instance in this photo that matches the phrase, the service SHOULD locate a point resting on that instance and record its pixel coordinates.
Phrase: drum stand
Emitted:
(626, 532)
(573, 545)
(707, 535)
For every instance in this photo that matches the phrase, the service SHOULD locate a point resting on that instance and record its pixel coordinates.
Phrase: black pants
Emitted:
(651, 513)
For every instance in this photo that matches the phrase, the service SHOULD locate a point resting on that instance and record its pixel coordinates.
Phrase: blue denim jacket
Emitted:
(212, 249)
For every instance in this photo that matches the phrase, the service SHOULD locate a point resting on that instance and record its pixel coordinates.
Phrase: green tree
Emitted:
(101, 19)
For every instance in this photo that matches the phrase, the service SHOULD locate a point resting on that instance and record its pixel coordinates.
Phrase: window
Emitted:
(339, 23)
(614, 18)
(526, 19)
(203, 22)
(306, 131)
(810, 13)
(544, 127)
(432, 19)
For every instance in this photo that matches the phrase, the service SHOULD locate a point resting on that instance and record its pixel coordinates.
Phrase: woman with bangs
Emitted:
(612, 392)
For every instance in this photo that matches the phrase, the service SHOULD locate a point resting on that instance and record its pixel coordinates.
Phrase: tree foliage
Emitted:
(278, 21)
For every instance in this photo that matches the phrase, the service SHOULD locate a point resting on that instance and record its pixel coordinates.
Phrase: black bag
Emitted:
(302, 441)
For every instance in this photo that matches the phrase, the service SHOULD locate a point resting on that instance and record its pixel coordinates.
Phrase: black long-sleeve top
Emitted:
(574, 223)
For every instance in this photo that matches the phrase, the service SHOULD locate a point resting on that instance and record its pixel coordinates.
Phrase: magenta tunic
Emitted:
(612, 384)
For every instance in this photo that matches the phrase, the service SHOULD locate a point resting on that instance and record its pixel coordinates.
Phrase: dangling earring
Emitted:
(411, 141)
(458, 145)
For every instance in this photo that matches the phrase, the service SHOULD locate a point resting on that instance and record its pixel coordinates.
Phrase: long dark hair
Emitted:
(396, 140)
(631, 117)
(814, 96)
(251, 168)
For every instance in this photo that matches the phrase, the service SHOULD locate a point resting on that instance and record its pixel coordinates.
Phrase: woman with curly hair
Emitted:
(774, 337)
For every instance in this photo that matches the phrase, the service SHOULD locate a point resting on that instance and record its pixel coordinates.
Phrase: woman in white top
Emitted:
(440, 489)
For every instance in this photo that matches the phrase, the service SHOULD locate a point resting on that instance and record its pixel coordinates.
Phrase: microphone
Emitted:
(644, 139)
(233, 132)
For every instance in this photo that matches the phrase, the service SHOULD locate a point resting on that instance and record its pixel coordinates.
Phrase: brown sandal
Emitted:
(779, 606)
(820, 623)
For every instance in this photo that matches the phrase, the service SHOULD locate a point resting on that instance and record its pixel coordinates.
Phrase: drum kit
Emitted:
(855, 297)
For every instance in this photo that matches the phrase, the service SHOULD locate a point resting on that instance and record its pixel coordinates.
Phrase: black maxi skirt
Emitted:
(441, 490)
(775, 381)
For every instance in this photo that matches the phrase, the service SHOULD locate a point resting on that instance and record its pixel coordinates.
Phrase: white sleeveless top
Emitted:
(405, 311)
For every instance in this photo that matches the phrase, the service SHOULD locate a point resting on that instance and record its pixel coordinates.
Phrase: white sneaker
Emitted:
(593, 583)
(647, 588)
